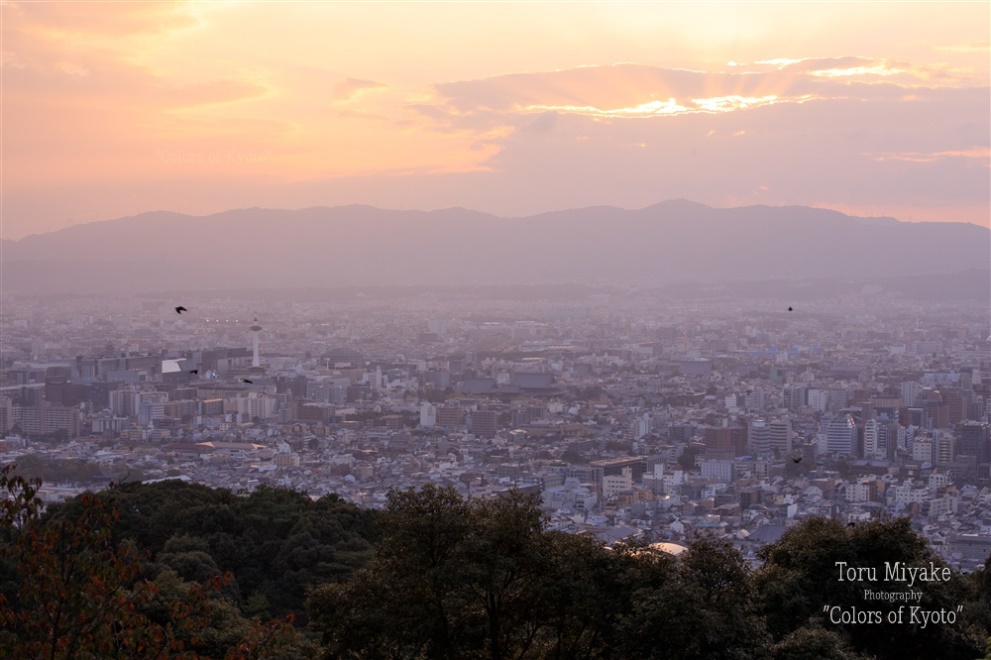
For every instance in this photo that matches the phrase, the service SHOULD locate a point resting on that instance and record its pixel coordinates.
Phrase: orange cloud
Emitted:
(351, 88)
(211, 93)
(96, 93)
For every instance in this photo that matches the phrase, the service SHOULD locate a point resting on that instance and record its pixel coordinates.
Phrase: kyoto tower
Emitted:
(255, 329)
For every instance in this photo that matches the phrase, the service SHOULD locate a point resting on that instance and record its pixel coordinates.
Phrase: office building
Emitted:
(841, 435)
(781, 436)
(759, 438)
(485, 423)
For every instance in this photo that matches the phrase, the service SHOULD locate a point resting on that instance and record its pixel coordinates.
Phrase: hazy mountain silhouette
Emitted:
(667, 243)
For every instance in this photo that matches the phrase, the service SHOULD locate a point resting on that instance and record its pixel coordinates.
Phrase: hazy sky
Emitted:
(512, 108)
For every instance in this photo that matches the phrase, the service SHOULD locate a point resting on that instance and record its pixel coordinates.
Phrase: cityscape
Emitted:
(628, 414)
(495, 330)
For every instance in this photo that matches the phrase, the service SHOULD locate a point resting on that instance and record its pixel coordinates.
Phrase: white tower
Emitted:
(255, 329)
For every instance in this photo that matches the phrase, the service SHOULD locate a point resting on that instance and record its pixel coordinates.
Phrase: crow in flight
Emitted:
(180, 309)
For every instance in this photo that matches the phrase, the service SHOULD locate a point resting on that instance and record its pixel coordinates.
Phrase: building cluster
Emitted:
(627, 415)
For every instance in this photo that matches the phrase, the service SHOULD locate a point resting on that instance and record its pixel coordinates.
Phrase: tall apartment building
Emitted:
(872, 444)
(718, 442)
(428, 415)
(841, 435)
(124, 403)
(944, 446)
(253, 405)
(179, 408)
(640, 426)
(887, 438)
(6, 413)
(922, 450)
(910, 390)
(211, 407)
(794, 396)
(149, 411)
(484, 423)
(973, 440)
(957, 405)
(759, 438)
(780, 432)
(450, 416)
(46, 418)
(754, 399)
(818, 399)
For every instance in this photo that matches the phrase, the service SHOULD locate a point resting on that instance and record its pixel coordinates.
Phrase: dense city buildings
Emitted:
(630, 414)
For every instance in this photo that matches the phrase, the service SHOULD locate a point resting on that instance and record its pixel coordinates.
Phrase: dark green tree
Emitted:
(701, 607)
(469, 579)
(801, 576)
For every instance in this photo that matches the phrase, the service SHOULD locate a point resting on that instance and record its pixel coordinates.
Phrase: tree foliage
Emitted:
(800, 578)
(275, 542)
(81, 593)
(485, 579)
(180, 570)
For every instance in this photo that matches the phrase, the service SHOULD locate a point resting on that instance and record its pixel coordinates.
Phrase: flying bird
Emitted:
(797, 460)
(249, 382)
(180, 309)
(194, 371)
(790, 309)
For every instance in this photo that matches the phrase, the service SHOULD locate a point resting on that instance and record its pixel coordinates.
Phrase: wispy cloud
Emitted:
(975, 47)
(352, 88)
(94, 90)
(982, 155)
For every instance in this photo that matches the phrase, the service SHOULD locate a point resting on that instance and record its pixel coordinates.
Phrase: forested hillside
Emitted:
(178, 570)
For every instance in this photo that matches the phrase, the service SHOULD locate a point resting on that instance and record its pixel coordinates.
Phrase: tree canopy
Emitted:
(172, 569)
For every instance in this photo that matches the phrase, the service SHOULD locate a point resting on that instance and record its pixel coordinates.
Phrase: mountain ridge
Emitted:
(365, 245)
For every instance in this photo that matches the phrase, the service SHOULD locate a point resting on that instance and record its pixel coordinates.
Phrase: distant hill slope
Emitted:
(670, 242)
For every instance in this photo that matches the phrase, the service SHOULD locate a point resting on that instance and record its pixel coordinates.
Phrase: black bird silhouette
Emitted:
(194, 371)
(797, 460)
(790, 309)
(180, 309)
(249, 382)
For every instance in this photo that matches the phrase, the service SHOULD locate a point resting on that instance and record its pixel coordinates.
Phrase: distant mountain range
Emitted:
(662, 245)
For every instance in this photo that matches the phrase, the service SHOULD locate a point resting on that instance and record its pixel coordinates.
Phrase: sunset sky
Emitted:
(113, 109)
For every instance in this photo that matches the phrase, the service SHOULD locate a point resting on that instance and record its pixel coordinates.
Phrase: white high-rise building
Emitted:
(640, 426)
(910, 390)
(255, 405)
(818, 399)
(759, 438)
(872, 447)
(841, 435)
(428, 415)
(922, 450)
(124, 403)
(149, 411)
